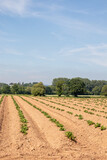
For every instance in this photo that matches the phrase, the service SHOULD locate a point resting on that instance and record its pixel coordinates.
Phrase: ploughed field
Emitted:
(53, 128)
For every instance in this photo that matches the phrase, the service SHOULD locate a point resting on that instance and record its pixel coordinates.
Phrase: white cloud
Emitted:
(14, 6)
(50, 11)
(92, 54)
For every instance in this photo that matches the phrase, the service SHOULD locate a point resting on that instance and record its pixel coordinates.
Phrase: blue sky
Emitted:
(45, 39)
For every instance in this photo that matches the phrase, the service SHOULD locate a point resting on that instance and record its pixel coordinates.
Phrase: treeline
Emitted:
(60, 86)
(79, 85)
(16, 88)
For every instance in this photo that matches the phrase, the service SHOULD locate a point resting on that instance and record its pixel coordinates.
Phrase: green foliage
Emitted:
(69, 112)
(6, 89)
(23, 120)
(77, 86)
(1, 99)
(28, 90)
(62, 129)
(96, 90)
(66, 88)
(58, 124)
(103, 128)
(104, 90)
(88, 112)
(70, 135)
(80, 117)
(90, 122)
(60, 85)
(93, 86)
(24, 128)
(97, 125)
(15, 89)
(38, 89)
(48, 90)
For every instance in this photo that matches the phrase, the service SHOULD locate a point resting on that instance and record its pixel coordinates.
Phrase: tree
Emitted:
(48, 90)
(15, 89)
(38, 89)
(58, 84)
(59, 87)
(96, 90)
(21, 89)
(77, 86)
(27, 90)
(6, 89)
(104, 90)
(66, 88)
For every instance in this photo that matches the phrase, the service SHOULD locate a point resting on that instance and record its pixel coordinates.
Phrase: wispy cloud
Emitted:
(9, 51)
(57, 35)
(51, 11)
(18, 7)
(93, 54)
(78, 11)
(46, 58)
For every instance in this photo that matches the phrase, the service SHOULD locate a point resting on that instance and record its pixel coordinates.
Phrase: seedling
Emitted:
(97, 125)
(70, 135)
(80, 117)
(90, 122)
(103, 128)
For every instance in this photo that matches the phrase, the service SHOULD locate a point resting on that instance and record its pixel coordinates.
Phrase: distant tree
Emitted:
(0, 90)
(66, 88)
(58, 83)
(88, 85)
(38, 89)
(77, 86)
(2, 84)
(96, 90)
(6, 89)
(104, 90)
(48, 90)
(15, 89)
(59, 87)
(21, 89)
(91, 84)
(27, 90)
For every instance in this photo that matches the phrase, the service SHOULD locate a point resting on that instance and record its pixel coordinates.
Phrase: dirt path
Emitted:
(92, 141)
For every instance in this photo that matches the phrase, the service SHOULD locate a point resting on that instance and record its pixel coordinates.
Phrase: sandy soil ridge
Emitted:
(44, 140)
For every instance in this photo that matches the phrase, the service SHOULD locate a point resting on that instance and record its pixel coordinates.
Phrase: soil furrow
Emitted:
(91, 117)
(93, 139)
(44, 141)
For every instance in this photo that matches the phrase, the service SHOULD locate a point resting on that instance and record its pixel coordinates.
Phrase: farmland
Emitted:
(53, 128)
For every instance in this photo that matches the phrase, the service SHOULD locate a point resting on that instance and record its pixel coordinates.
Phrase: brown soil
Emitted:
(44, 140)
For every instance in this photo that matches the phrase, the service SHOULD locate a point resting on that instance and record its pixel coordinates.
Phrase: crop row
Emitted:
(86, 111)
(57, 123)
(76, 104)
(96, 125)
(80, 117)
(1, 99)
(23, 120)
